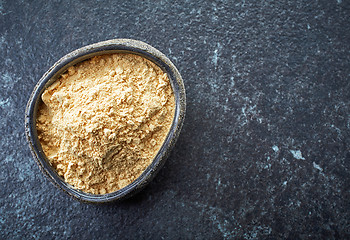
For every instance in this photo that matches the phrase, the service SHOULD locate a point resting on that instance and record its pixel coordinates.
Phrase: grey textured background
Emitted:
(264, 152)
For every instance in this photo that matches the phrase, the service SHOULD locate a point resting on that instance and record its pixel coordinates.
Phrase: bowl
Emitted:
(81, 54)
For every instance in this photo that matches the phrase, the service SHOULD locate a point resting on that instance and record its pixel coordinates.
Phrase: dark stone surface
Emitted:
(264, 152)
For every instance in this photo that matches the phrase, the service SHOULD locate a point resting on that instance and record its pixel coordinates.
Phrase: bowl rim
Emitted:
(106, 47)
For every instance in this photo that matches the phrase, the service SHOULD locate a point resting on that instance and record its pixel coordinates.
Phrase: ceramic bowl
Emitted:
(106, 47)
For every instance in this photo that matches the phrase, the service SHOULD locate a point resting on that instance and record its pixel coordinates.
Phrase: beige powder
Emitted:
(104, 120)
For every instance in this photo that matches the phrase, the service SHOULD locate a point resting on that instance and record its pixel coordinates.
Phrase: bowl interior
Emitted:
(80, 55)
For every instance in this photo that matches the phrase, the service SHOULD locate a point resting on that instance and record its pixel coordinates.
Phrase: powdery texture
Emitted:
(103, 121)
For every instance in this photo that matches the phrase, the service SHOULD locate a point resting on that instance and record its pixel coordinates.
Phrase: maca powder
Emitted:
(104, 120)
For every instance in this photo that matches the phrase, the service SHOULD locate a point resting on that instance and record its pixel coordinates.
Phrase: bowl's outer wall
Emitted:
(106, 47)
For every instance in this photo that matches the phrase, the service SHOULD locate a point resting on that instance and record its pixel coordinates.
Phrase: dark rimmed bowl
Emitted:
(106, 47)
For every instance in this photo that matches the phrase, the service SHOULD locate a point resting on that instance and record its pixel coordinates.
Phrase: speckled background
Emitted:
(264, 152)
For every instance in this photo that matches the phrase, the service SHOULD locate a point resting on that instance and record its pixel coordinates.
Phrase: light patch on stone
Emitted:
(297, 154)
(317, 166)
(275, 148)
(216, 53)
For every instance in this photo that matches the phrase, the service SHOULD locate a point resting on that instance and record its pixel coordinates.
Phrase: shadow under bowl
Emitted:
(81, 54)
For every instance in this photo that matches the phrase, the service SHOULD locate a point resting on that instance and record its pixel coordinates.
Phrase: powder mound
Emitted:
(104, 120)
